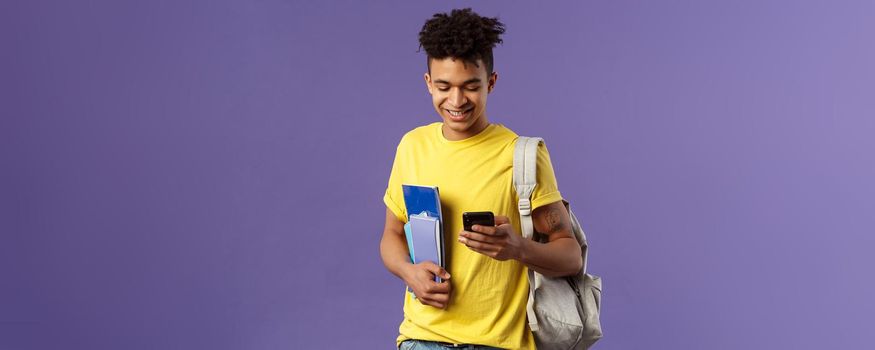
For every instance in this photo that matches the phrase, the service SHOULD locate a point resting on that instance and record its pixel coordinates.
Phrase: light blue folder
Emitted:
(409, 236)
(425, 232)
(425, 240)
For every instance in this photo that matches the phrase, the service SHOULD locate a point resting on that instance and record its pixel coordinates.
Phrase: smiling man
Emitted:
(481, 304)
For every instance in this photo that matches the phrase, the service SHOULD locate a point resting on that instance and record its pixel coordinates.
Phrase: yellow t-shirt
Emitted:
(488, 300)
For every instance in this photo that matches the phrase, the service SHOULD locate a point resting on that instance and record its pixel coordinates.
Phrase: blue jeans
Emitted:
(412, 344)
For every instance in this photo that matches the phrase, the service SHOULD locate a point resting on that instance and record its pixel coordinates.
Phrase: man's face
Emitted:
(458, 92)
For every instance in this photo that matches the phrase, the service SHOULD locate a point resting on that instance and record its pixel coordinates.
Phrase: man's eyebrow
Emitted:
(469, 81)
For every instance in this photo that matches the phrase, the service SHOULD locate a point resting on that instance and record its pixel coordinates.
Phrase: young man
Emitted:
(482, 301)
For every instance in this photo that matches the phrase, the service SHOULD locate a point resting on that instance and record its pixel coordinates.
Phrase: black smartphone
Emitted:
(471, 218)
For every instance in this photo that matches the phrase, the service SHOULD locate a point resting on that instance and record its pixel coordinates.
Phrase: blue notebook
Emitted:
(418, 199)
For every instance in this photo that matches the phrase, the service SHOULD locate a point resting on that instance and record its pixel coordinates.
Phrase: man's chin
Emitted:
(457, 126)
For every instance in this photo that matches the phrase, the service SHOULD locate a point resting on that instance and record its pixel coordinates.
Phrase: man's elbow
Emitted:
(572, 266)
(570, 271)
(578, 265)
(575, 263)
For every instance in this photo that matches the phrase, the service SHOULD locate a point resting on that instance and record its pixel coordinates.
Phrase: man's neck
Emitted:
(474, 130)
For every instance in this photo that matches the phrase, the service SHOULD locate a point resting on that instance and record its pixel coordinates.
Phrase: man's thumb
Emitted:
(437, 270)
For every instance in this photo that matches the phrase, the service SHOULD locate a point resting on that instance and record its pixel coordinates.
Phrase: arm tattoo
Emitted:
(554, 221)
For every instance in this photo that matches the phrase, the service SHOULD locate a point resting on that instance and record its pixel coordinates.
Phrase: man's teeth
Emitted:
(455, 113)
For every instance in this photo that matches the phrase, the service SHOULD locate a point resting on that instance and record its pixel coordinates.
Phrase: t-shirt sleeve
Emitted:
(394, 197)
(547, 190)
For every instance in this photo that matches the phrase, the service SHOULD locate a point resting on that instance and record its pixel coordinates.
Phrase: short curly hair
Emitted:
(461, 34)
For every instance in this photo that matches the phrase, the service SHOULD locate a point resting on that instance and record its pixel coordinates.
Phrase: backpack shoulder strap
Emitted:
(525, 179)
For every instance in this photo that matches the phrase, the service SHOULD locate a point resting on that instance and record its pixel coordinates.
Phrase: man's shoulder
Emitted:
(422, 131)
(504, 132)
(418, 134)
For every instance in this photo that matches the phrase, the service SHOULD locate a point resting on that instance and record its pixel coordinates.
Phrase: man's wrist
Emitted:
(404, 270)
(523, 252)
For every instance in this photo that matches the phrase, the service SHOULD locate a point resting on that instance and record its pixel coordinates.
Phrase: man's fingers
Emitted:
(489, 230)
(437, 295)
(430, 302)
(480, 237)
(437, 270)
(440, 288)
(480, 247)
(472, 243)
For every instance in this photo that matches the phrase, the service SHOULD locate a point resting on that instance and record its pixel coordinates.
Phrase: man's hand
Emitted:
(420, 278)
(500, 242)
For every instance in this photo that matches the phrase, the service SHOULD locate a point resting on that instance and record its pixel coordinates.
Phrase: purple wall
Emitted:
(208, 174)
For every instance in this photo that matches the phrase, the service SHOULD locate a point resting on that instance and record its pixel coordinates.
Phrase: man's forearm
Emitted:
(560, 257)
(393, 251)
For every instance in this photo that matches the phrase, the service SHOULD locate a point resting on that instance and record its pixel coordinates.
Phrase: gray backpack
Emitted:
(563, 312)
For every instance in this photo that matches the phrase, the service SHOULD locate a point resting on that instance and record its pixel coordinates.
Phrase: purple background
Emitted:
(208, 174)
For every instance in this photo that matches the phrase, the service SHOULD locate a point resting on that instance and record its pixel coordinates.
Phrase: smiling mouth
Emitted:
(458, 115)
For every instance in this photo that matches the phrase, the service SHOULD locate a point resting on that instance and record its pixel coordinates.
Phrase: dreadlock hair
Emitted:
(461, 34)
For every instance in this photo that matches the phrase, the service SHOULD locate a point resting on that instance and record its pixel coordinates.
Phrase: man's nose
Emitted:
(457, 98)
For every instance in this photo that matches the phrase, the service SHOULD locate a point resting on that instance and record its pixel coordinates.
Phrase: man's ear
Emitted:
(492, 79)
(428, 83)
